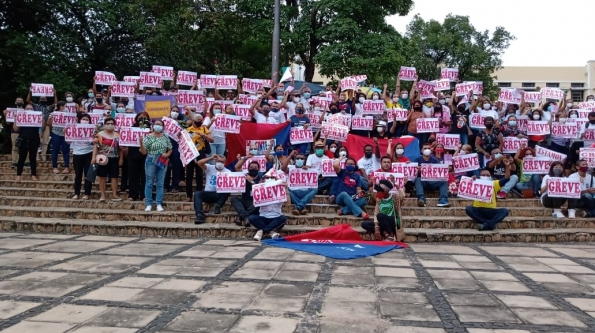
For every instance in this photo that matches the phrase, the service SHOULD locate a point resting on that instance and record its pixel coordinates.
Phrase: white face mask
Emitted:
(535, 116)
(296, 99)
(269, 180)
(573, 116)
(317, 109)
(447, 100)
(486, 106)
(174, 115)
(395, 99)
(400, 151)
(562, 120)
(362, 99)
(69, 99)
(590, 100)
(375, 97)
(379, 129)
(427, 152)
(219, 166)
(333, 149)
(442, 101)
(404, 96)
(485, 178)
(462, 152)
(84, 121)
(342, 153)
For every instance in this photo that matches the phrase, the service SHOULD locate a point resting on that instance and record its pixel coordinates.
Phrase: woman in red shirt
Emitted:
(398, 155)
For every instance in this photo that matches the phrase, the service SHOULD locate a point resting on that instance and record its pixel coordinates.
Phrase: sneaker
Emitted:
(275, 235)
(237, 221)
(85, 197)
(443, 203)
(558, 213)
(258, 235)
(160, 208)
(76, 197)
(421, 202)
(200, 219)
(148, 208)
(501, 195)
(217, 210)
(246, 222)
(571, 213)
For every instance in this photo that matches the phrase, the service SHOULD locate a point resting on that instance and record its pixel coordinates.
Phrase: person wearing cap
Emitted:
(387, 213)
(381, 131)
(314, 162)
(271, 218)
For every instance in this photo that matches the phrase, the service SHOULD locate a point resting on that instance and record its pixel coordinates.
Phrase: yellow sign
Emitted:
(158, 109)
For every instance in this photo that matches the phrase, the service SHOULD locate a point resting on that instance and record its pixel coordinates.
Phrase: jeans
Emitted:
(136, 179)
(554, 203)
(217, 148)
(244, 207)
(464, 138)
(300, 198)
(348, 205)
(534, 184)
(45, 140)
(153, 172)
(267, 224)
(489, 217)
(208, 197)
(586, 202)
(59, 145)
(28, 147)
(172, 174)
(326, 183)
(386, 223)
(420, 187)
(191, 169)
(514, 179)
(82, 163)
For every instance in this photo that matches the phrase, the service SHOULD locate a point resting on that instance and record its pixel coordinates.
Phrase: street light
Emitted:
(276, 32)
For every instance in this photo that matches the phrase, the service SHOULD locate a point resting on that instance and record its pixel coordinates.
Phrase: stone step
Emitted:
(410, 209)
(34, 192)
(186, 230)
(445, 222)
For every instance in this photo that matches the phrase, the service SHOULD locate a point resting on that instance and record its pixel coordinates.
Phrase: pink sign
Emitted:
(123, 89)
(79, 133)
(208, 81)
(397, 115)
(449, 141)
(359, 78)
(399, 179)
(150, 79)
(334, 131)
(509, 96)
(29, 118)
(426, 85)
(125, 119)
(434, 172)
(348, 84)
(171, 127)
(586, 105)
(299, 135)
(462, 89)
(269, 193)
(538, 127)
(243, 111)
(567, 130)
(450, 74)
(129, 136)
(513, 144)
(63, 119)
(327, 168)
(552, 93)
(186, 78)
(589, 134)
(314, 118)
(340, 119)
(536, 165)
(427, 125)
(299, 179)
(190, 97)
(96, 117)
(267, 83)
(227, 123)
(554, 156)
(441, 85)
(558, 187)
(409, 170)
(133, 79)
(187, 149)
(70, 107)
(323, 101)
(407, 73)
(252, 85)
(231, 182)
(588, 154)
(166, 72)
(42, 89)
(479, 190)
(11, 114)
(261, 160)
(105, 78)
(533, 97)
(227, 82)
(362, 123)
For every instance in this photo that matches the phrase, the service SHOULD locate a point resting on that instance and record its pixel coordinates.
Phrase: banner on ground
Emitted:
(434, 172)
(63, 119)
(479, 189)
(299, 179)
(536, 165)
(231, 182)
(465, 163)
(79, 133)
(558, 187)
(26, 118)
(269, 193)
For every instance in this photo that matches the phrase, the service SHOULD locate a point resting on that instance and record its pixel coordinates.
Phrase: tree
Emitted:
(456, 44)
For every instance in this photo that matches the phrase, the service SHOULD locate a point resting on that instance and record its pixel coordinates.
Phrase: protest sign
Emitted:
(327, 168)
(434, 172)
(407, 74)
(129, 136)
(299, 134)
(451, 74)
(533, 97)
(536, 165)
(166, 72)
(267, 83)
(105, 78)
(397, 115)
(441, 85)
(426, 94)
(252, 85)
(476, 86)
(589, 135)
(359, 78)
(465, 163)
(558, 187)
(26, 118)
(227, 82)
(208, 81)
(79, 133)
(123, 89)
(538, 127)
(399, 179)
(42, 89)
(449, 141)
(70, 107)
(427, 125)
(512, 144)
(334, 131)
(125, 119)
(227, 123)
(96, 117)
(150, 79)
(461, 89)
(588, 154)
(231, 182)
(479, 189)
(509, 96)
(261, 146)
(409, 170)
(11, 114)
(586, 105)
(269, 193)
(261, 160)
(584, 114)
(158, 109)
(364, 123)
(566, 130)
(340, 119)
(521, 122)
(133, 79)
(554, 156)
(187, 149)
(552, 93)
(299, 179)
(63, 119)
(242, 111)
(426, 85)
(190, 97)
(323, 101)
(171, 127)
(348, 84)
(186, 78)
(314, 118)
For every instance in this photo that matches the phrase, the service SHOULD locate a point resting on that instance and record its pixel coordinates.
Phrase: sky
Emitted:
(535, 24)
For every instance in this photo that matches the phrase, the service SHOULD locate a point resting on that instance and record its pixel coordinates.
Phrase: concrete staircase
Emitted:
(45, 206)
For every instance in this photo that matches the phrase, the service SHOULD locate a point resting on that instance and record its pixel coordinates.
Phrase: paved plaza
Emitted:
(100, 284)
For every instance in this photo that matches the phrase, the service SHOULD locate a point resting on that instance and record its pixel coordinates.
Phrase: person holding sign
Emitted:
(82, 153)
(556, 171)
(271, 218)
(218, 145)
(28, 142)
(109, 157)
(588, 126)
(587, 200)
(485, 214)
(421, 186)
(510, 128)
(398, 156)
(351, 197)
(412, 118)
(158, 148)
(244, 205)
(278, 159)
(529, 185)
(497, 167)
(210, 195)
(300, 198)
(59, 144)
(488, 140)
(201, 136)
(387, 213)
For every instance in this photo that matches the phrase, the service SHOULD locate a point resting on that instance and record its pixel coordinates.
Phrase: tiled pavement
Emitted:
(100, 284)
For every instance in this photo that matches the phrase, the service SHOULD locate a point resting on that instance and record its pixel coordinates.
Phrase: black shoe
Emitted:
(217, 210)
(14, 165)
(199, 219)
(237, 221)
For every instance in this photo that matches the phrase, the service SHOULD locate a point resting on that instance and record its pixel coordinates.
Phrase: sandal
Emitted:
(56, 171)
(391, 238)
(130, 199)
(85, 197)
(116, 199)
(65, 171)
(102, 199)
(19, 178)
(34, 178)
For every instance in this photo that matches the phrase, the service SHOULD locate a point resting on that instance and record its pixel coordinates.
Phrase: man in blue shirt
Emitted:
(351, 197)
(420, 186)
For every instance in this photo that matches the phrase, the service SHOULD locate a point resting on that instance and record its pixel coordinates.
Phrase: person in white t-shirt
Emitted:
(591, 126)
(210, 195)
(370, 162)
(271, 217)
(314, 162)
(265, 116)
(556, 170)
(587, 200)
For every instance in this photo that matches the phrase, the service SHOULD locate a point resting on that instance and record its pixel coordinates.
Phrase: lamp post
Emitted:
(275, 55)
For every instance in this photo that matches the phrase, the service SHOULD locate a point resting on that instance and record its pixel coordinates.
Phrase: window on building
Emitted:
(578, 95)
(528, 86)
(577, 85)
(552, 85)
(504, 84)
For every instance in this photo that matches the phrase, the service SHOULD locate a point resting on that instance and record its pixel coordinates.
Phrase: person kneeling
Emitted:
(271, 218)
(210, 195)
(351, 197)
(387, 223)
(485, 213)
(301, 198)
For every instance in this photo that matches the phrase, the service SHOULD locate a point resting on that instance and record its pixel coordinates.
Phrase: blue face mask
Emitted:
(279, 97)
(279, 153)
(512, 123)
(497, 155)
(306, 95)
(549, 108)
(299, 163)
(319, 152)
(350, 168)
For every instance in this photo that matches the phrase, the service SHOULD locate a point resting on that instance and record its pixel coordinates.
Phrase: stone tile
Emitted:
(445, 249)
(474, 299)
(200, 251)
(47, 236)
(301, 256)
(4, 272)
(158, 269)
(39, 276)
(260, 324)
(232, 253)
(517, 251)
(167, 241)
(201, 271)
(30, 326)
(572, 269)
(254, 273)
(350, 294)
(98, 329)
(404, 298)
(75, 246)
(287, 290)
(548, 317)
(179, 284)
(385, 281)
(346, 309)
(494, 276)
(482, 330)
(160, 297)
(352, 270)
(302, 276)
(31, 259)
(349, 325)
(467, 258)
(549, 278)
(585, 304)
(144, 249)
(568, 288)
(514, 301)
(589, 279)
(124, 317)
(537, 267)
(519, 260)
(278, 304)
(9, 234)
(273, 253)
(106, 239)
(488, 314)
(50, 289)
(230, 295)
(440, 264)
(577, 253)
(505, 286)
(101, 264)
(556, 261)
(68, 313)
(112, 294)
(267, 265)
(135, 282)
(191, 321)
(294, 266)
(394, 272)
(12, 308)
(390, 262)
(78, 279)
(435, 257)
(449, 274)
(409, 329)
(357, 280)
(481, 265)
(11, 287)
(21, 243)
(418, 312)
(463, 284)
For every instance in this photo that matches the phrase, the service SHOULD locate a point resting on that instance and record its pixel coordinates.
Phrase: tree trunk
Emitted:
(310, 67)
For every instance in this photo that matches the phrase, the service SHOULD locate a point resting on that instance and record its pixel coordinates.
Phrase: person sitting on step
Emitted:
(351, 197)
(485, 213)
(210, 195)
(300, 198)
(556, 171)
(497, 169)
(271, 218)
(587, 200)
(244, 204)
(421, 186)
(387, 213)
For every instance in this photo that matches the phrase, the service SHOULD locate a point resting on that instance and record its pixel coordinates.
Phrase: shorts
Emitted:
(111, 169)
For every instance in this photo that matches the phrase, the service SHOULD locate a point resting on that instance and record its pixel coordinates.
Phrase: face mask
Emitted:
(299, 111)
(368, 154)
(562, 120)
(99, 100)
(306, 95)
(121, 110)
(486, 106)
(512, 123)
(84, 121)
(447, 100)
(317, 109)
(342, 153)
(20, 104)
(90, 95)
(158, 128)
(299, 163)
(350, 168)
(535, 117)
(549, 108)
(574, 116)
(485, 178)
(69, 99)
(259, 95)
(319, 152)
(442, 101)
(557, 172)
(43, 102)
(279, 97)
(400, 151)
(462, 152)
(404, 96)
(274, 110)
(253, 172)
(279, 153)
(254, 151)
(583, 169)
(590, 100)
(439, 150)
(489, 126)
(269, 180)
(198, 123)
(334, 110)
(333, 149)
(528, 155)
(592, 121)
(219, 166)
(497, 156)
(109, 127)
(375, 97)
(427, 152)
(174, 115)
(296, 99)
(216, 111)
(381, 195)
(379, 129)
(362, 99)
(417, 108)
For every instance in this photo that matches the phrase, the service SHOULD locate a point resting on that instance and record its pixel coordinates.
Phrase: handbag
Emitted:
(102, 159)
(91, 173)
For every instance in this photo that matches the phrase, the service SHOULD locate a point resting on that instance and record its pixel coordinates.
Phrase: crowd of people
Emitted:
(156, 162)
